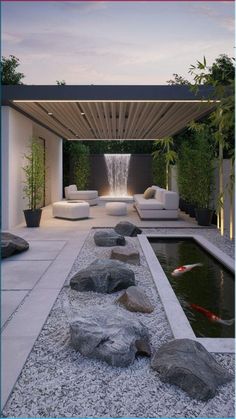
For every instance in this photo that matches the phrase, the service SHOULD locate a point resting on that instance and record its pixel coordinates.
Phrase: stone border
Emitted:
(177, 319)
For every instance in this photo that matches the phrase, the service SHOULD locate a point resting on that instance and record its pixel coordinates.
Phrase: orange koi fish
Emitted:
(185, 268)
(211, 316)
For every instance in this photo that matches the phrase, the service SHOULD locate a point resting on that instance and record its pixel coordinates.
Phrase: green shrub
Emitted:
(76, 164)
(159, 171)
(203, 162)
(79, 155)
(186, 172)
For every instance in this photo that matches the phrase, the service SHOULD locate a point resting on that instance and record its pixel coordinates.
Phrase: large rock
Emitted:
(11, 245)
(187, 364)
(126, 254)
(125, 228)
(109, 334)
(134, 299)
(103, 275)
(108, 238)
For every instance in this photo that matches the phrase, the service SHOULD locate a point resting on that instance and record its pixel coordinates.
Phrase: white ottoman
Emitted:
(72, 210)
(116, 208)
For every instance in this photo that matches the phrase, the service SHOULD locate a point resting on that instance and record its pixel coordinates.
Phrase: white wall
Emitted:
(17, 131)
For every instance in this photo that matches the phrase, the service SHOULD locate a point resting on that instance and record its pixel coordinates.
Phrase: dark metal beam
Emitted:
(120, 93)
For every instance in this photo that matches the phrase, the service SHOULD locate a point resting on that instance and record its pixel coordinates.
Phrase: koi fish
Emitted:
(185, 268)
(211, 316)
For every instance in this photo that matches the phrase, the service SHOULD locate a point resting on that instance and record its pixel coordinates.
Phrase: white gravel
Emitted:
(58, 382)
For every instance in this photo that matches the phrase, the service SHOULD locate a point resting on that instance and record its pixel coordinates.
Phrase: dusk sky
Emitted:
(114, 42)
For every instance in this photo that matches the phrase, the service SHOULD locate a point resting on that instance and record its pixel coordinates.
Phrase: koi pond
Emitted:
(206, 293)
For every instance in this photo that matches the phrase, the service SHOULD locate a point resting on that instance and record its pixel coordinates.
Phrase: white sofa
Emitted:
(164, 205)
(91, 197)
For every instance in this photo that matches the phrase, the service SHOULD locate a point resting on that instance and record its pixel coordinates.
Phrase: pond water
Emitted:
(208, 287)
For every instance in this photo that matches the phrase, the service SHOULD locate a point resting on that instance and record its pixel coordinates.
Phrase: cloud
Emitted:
(11, 38)
(83, 6)
(219, 15)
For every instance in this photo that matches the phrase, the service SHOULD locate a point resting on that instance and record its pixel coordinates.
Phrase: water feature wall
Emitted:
(117, 172)
(139, 174)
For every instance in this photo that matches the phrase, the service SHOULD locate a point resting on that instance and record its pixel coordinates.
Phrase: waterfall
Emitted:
(117, 171)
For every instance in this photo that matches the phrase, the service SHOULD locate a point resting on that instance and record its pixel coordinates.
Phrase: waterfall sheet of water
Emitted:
(117, 172)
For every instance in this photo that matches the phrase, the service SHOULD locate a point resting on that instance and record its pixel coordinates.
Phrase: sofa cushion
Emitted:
(171, 200)
(82, 194)
(147, 204)
(149, 193)
(70, 188)
(159, 193)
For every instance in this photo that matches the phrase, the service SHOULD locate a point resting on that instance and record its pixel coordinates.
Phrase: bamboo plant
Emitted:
(165, 147)
(34, 170)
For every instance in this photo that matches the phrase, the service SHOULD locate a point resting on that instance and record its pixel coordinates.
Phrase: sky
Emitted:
(114, 42)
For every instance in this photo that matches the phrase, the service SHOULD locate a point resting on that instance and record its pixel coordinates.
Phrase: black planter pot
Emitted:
(214, 218)
(181, 204)
(204, 216)
(191, 210)
(33, 217)
(186, 205)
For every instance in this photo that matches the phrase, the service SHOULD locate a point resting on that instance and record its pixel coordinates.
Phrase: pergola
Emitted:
(110, 112)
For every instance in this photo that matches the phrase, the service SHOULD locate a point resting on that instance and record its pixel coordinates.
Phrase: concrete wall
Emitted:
(17, 130)
(226, 176)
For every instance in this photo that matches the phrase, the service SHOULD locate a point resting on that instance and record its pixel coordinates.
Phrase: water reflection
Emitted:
(210, 286)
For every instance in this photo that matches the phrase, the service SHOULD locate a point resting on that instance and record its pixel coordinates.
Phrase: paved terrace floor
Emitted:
(32, 280)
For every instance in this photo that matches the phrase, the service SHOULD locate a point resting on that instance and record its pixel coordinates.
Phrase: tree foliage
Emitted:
(221, 76)
(9, 73)
(119, 146)
(178, 80)
(60, 82)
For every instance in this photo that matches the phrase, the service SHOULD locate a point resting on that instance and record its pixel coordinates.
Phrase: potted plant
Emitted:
(203, 163)
(34, 170)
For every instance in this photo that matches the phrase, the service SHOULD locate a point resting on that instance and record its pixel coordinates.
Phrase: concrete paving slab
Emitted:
(21, 332)
(22, 274)
(98, 218)
(14, 352)
(29, 319)
(59, 270)
(41, 250)
(10, 300)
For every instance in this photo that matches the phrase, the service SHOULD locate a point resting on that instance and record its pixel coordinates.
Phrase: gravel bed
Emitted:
(57, 381)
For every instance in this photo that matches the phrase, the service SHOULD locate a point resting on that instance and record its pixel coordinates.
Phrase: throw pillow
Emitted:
(149, 193)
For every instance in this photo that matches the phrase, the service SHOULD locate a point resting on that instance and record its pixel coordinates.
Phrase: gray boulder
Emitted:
(187, 364)
(11, 245)
(109, 334)
(126, 254)
(134, 299)
(108, 238)
(125, 228)
(104, 276)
